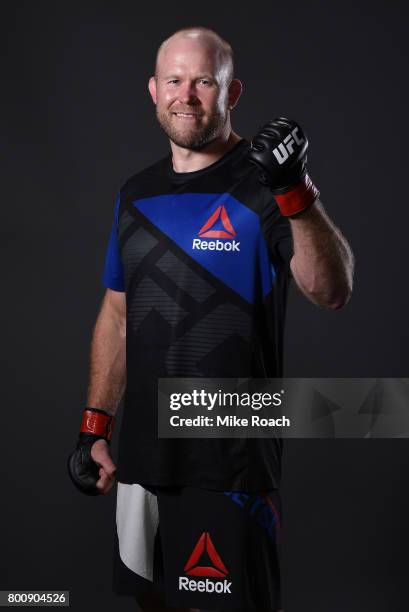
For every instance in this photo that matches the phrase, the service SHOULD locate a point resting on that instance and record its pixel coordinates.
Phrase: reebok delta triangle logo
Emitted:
(227, 232)
(217, 226)
(205, 544)
(195, 567)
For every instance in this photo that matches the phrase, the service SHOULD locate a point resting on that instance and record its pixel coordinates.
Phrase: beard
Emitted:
(194, 137)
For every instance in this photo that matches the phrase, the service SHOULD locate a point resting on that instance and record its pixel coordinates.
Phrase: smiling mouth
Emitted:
(187, 115)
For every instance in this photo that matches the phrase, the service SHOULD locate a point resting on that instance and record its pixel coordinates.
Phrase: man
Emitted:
(197, 269)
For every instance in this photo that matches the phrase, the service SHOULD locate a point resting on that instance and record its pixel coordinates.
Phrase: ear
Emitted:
(234, 92)
(152, 88)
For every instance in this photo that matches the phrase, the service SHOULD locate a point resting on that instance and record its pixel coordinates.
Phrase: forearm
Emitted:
(323, 262)
(107, 363)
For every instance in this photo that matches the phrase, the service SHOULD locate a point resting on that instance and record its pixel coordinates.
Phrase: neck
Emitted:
(186, 160)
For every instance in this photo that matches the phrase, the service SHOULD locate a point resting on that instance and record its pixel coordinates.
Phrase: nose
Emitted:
(187, 92)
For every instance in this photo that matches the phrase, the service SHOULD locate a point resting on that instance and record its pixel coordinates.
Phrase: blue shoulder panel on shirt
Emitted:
(113, 277)
(220, 233)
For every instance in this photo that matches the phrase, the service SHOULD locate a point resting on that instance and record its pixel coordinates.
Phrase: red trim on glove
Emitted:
(298, 198)
(97, 423)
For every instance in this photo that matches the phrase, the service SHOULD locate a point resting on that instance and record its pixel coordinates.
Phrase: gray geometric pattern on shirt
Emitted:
(184, 277)
(215, 327)
(134, 250)
(125, 221)
(147, 296)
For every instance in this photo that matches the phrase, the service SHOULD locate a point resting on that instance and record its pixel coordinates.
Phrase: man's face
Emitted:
(191, 93)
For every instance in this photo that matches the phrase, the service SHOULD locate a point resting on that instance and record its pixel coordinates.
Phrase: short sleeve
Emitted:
(113, 277)
(277, 233)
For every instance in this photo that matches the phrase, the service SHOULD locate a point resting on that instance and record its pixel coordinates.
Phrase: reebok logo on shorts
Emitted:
(217, 226)
(203, 546)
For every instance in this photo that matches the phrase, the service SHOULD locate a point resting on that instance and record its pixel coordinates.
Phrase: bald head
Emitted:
(193, 88)
(203, 38)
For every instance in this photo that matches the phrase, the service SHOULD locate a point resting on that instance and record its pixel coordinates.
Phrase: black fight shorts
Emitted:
(215, 550)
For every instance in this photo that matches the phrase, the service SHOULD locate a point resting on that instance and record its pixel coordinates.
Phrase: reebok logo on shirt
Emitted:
(207, 586)
(227, 232)
(205, 546)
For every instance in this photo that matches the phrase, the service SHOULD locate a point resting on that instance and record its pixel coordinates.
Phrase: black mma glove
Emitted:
(279, 150)
(82, 469)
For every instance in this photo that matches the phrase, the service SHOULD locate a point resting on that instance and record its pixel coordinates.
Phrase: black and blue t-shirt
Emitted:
(204, 260)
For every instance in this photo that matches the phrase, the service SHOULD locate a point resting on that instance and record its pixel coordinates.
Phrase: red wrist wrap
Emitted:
(97, 423)
(298, 198)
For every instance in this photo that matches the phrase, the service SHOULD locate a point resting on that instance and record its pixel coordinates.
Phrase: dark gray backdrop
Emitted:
(76, 122)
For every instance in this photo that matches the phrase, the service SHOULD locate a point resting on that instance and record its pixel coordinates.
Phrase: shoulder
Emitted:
(145, 178)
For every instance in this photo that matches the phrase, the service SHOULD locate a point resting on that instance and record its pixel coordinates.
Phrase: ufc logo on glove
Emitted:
(285, 148)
